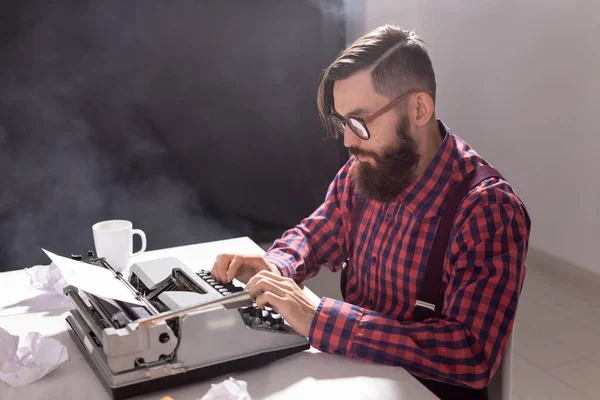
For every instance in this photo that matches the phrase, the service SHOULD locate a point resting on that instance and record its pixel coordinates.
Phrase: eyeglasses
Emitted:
(359, 125)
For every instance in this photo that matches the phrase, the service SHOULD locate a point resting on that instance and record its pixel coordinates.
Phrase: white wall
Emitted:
(519, 81)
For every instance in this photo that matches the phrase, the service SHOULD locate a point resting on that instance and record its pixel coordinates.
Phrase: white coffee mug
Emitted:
(114, 241)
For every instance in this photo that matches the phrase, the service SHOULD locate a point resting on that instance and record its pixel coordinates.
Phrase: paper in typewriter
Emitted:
(92, 279)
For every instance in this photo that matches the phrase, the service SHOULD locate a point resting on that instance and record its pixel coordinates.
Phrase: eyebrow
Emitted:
(355, 112)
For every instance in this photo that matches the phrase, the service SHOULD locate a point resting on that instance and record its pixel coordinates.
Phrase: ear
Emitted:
(423, 108)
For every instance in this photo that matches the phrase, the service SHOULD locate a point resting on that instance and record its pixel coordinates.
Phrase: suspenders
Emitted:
(429, 303)
(430, 296)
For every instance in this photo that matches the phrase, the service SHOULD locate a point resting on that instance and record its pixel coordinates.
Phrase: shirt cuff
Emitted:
(332, 329)
(283, 265)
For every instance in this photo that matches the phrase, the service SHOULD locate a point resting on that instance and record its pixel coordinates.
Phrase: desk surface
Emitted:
(307, 374)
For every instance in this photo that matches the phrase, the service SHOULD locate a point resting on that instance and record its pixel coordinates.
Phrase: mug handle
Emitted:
(143, 237)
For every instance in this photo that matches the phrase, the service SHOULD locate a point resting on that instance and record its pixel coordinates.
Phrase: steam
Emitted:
(95, 97)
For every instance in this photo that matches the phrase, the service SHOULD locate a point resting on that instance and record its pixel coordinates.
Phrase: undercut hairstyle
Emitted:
(399, 62)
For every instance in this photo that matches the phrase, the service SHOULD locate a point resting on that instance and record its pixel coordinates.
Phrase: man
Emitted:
(380, 94)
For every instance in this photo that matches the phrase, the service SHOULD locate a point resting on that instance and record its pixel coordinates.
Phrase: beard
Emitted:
(393, 171)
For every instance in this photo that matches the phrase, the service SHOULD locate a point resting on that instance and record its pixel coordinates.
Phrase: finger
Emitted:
(276, 276)
(285, 284)
(264, 273)
(270, 299)
(219, 270)
(234, 265)
(266, 284)
(255, 279)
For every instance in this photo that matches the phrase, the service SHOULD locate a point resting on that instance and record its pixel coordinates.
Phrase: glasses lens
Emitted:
(337, 125)
(358, 128)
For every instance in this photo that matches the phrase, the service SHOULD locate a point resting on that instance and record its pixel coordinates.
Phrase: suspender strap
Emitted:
(430, 297)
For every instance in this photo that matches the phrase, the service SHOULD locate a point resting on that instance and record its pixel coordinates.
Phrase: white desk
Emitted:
(310, 374)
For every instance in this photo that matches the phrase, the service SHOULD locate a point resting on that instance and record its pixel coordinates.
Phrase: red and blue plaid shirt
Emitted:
(483, 273)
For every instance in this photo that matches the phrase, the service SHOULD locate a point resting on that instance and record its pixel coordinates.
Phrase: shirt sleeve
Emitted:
(318, 239)
(464, 346)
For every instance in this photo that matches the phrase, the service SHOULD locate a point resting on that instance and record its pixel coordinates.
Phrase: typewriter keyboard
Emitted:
(267, 319)
(224, 288)
(254, 317)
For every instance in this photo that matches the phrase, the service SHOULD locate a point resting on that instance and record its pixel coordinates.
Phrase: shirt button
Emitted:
(322, 348)
(388, 216)
(373, 259)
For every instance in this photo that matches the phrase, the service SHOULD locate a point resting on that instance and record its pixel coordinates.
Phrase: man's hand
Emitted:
(285, 297)
(241, 267)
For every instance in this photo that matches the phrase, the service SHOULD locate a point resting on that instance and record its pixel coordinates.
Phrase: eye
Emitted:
(358, 128)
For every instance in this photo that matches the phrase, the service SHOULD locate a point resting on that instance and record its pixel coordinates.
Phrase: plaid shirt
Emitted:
(483, 273)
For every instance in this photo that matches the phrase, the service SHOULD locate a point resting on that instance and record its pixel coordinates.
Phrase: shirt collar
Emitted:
(422, 193)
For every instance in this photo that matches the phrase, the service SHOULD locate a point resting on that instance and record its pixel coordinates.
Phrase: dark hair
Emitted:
(399, 60)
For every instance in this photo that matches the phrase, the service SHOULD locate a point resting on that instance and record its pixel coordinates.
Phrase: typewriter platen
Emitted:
(137, 349)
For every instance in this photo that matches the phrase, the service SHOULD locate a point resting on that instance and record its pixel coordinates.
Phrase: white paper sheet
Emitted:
(92, 279)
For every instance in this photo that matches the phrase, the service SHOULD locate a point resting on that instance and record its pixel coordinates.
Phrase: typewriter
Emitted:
(188, 328)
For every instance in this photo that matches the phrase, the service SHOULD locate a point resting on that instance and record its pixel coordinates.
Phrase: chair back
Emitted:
(500, 386)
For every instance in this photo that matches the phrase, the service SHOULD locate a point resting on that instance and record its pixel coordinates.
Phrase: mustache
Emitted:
(355, 151)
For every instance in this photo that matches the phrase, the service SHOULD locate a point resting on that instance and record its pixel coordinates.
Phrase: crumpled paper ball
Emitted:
(230, 389)
(26, 359)
(47, 278)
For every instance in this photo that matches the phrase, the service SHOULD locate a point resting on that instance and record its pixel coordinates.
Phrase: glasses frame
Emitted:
(364, 121)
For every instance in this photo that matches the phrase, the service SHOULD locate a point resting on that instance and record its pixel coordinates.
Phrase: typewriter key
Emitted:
(256, 312)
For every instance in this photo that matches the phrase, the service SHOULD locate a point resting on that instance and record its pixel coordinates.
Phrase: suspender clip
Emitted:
(425, 304)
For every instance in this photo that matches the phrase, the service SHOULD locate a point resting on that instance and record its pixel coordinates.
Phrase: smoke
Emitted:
(153, 112)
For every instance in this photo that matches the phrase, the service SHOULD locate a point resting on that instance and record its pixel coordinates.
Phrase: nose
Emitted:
(350, 138)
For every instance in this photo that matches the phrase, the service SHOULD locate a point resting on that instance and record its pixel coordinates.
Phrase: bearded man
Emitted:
(430, 239)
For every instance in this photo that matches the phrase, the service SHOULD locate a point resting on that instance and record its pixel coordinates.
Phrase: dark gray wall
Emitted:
(196, 120)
